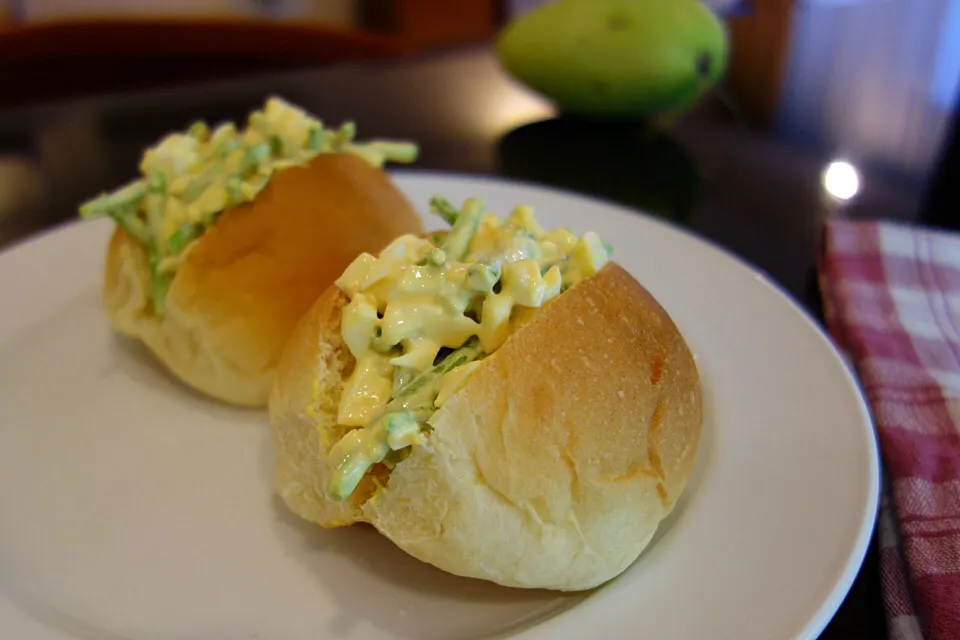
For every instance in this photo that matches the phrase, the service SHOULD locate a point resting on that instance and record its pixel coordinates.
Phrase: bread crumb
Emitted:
(580, 321)
(620, 394)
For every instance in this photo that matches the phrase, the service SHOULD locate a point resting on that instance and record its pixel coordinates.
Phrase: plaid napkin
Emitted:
(892, 301)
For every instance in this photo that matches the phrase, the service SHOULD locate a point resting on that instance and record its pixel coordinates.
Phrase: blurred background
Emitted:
(870, 82)
(876, 79)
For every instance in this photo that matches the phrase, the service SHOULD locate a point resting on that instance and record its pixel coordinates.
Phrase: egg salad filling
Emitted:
(189, 178)
(425, 312)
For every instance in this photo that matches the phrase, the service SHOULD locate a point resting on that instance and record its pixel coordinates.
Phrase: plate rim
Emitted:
(847, 574)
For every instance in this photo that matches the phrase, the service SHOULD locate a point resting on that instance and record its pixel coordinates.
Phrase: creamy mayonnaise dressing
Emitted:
(190, 177)
(424, 312)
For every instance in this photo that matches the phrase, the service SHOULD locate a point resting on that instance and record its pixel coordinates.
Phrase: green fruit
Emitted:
(617, 58)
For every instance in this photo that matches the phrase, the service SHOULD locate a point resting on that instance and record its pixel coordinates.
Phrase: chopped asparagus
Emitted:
(154, 204)
(130, 193)
(234, 186)
(276, 145)
(226, 147)
(421, 391)
(481, 277)
(401, 377)
(159, 283)
(344, 135)
(199, 130)
(196, 187)
(402, 429)
(207, 171)
(131, 223)
(437, 258)
(184, 235)
(445, 209)
(402, 152)
(412, 403)
(457, 242)
(315, 139)
(251, 161)
(157, 183)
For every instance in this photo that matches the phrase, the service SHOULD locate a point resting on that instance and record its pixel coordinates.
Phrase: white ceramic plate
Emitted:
(133, 508)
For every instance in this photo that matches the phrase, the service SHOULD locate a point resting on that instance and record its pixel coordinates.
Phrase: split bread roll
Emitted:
(551, 467)
(242, 287)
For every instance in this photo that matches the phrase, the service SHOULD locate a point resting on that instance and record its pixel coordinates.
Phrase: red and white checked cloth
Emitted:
(892, 301)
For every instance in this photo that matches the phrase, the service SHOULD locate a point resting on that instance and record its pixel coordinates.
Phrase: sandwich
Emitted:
(229, 235)
(501, 401)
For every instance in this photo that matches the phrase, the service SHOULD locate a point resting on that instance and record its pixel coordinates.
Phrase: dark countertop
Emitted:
(745, 190)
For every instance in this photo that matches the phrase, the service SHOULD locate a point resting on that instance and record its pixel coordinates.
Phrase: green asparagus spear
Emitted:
(315, 139)
(404, 152)
(234, 187)
(226, 147)
(482, 276)
(130, 193)
(159, 282)
(344, 135)
(251, 161)
(199, 130)
(421, 391)
(445, 209)
(413, 402)
(153, 205)
(276, 145)
(128, 220)
(222, 167)
(197, 186)
(437, 258)
(401, 377)
(457, 242)
(184, 235)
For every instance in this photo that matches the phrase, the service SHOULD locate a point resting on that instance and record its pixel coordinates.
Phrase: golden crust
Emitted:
(247, 281)
(551, 468)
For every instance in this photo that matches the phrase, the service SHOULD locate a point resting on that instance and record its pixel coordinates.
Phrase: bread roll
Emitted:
(246, 282)
(550, 468)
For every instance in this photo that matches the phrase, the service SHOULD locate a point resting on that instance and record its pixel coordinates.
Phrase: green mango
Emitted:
(617, 58)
